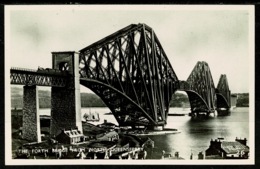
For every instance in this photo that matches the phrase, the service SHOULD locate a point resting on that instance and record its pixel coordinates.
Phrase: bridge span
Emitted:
(131, 73)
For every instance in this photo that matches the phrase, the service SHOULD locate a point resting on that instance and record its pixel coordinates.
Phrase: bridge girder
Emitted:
(135, 68)
(221, 101)
(200, 82)
(126, 111)
(28, 77)
(223, 93)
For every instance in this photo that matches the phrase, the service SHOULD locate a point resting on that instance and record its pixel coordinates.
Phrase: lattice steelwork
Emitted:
(131, 73)
(223, 93)
(38, 77)
(201, 90)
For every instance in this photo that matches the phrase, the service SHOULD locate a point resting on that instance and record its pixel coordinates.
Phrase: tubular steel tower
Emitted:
(131, 73)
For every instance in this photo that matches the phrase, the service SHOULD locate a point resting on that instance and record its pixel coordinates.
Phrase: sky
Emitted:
(220, 36)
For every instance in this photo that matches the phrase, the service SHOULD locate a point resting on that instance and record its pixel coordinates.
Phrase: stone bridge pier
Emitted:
(65, 101)
(31, 118)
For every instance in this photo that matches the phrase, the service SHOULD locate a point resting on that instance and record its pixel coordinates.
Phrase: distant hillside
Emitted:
(180, 100)
(16, 97)
(87, 99)
(92, 100)
(243, 99)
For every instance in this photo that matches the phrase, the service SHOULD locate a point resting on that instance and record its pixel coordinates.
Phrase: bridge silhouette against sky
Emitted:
(131, 73)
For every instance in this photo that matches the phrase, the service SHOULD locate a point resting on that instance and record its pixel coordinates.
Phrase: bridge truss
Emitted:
(223, 93)
(201, 89)
(131, 73)
(30, 77)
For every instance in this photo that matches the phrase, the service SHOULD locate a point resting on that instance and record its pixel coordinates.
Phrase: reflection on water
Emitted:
(195, 134)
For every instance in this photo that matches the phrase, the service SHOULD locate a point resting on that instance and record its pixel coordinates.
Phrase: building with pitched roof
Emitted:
(221, 149)
(109, 136)
(72, 136)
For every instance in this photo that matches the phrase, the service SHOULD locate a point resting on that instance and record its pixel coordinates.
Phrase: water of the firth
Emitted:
(195, 135)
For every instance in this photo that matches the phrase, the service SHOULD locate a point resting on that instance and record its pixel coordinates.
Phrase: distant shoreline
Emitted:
(89, 100)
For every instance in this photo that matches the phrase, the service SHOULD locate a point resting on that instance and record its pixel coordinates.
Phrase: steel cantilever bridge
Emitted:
(131, 73)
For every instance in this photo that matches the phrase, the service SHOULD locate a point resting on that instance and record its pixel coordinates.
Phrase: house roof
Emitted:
(109, 135)
(233, 147)
(108, 124)
(73, 133)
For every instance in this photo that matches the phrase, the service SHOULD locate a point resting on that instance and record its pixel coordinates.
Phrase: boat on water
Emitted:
(92, 117)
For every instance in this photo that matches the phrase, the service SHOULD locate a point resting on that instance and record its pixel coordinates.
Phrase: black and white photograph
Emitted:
(107, 84)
